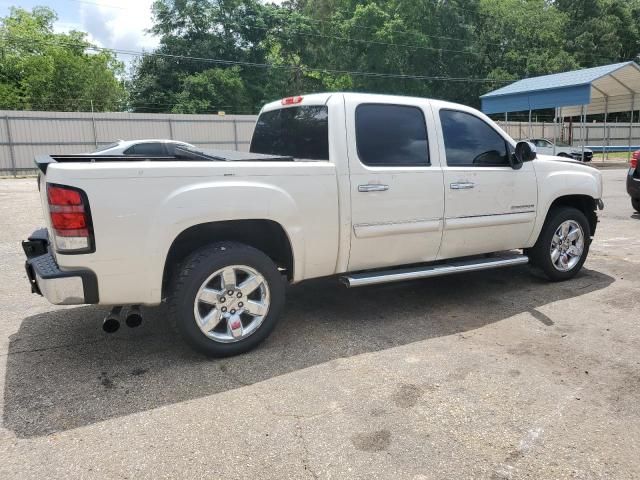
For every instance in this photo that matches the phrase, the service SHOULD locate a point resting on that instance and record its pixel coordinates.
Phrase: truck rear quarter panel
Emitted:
(139, 209)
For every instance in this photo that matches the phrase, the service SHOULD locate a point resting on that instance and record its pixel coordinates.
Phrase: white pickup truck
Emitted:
(368, 188)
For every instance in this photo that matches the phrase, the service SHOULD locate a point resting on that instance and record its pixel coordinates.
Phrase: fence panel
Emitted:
(24, 135)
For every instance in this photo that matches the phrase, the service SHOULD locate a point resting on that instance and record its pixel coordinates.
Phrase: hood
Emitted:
(562, 159)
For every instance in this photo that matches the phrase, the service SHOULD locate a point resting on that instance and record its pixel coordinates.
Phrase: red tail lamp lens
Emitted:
(634, 159)
(70, 219)
(63, 196)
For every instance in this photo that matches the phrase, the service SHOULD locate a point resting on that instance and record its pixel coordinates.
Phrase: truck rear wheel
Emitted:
(563, 244)
(635, 203)
(226, 299)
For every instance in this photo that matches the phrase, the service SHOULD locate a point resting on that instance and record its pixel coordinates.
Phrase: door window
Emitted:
(391, 136)
(469, 141)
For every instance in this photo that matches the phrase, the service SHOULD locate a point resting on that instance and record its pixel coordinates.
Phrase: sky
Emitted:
(117, 24)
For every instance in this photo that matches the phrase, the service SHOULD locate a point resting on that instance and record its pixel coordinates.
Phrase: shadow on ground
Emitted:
(63, 372)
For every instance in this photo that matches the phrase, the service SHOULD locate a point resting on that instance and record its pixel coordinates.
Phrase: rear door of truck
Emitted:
(397, 193)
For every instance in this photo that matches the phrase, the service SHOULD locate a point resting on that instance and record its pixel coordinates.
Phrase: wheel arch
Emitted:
(268, 236)
(583, 202)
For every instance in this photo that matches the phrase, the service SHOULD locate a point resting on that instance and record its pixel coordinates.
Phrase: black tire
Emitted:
(635, 203)
(193, 273)
(564, 155)
(539, 254)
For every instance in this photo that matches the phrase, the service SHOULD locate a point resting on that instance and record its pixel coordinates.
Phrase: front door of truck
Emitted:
(397, 195)
(489, 206)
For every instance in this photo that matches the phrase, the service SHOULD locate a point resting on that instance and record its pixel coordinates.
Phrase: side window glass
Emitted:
(469, 141)
(155, 149)
(391, 136)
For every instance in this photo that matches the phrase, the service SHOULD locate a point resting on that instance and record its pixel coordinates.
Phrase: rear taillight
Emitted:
(70, 219)
(634, 159)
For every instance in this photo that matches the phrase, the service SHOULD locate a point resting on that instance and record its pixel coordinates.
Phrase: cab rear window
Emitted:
(299, 132)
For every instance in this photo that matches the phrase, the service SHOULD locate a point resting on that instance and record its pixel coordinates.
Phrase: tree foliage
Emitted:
(40, 69)
(465, 47)
(235, 55)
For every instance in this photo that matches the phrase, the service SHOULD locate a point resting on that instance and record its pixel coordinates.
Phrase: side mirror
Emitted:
(525, 152)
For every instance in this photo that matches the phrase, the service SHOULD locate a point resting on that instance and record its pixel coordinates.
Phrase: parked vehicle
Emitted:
(370, 188)
(154, 147)
(547, 147)
(633, 181)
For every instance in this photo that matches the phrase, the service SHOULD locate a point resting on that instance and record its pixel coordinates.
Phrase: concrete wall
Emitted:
(24, 135)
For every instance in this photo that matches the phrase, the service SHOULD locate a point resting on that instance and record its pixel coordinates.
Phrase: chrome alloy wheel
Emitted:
(231, 304)
(567, 245)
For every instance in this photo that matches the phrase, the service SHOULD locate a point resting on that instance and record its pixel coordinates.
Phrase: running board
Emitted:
(399, 275)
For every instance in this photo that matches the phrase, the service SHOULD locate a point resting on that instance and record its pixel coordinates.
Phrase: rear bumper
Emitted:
(633, 183)
(73, 287)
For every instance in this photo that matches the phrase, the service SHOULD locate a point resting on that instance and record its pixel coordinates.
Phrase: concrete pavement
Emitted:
(494, 374)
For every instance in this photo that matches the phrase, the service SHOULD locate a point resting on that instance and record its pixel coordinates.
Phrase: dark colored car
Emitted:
(633, 181)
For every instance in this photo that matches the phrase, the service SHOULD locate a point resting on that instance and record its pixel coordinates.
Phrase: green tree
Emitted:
(40, 69)
(215, 89)
(464, 47)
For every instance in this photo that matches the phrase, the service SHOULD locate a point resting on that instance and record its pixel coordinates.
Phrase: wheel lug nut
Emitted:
(229, 292)
(239, 295)
(223, 309)
(233, 311)
(222, 299)
(240, 304)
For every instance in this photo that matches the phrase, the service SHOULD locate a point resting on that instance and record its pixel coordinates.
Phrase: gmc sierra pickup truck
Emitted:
(367, 188)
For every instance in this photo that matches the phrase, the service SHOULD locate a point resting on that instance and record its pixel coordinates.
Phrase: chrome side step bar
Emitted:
(399, 275)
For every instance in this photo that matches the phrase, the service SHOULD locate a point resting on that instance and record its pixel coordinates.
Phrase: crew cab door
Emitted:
(489, 206)
(397, 195)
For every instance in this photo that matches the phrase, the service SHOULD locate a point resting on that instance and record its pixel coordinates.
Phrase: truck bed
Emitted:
(183, 154)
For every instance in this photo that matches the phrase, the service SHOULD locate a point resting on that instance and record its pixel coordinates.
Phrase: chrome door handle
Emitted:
(462, 185)
(373, 187)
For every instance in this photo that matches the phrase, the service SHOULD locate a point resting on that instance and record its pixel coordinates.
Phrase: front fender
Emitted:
(561, 181)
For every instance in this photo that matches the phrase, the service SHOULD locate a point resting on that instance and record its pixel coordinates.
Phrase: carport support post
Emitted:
(530, 133)
(606, 135)
(633, 104)
(556, 121)
(583, 118)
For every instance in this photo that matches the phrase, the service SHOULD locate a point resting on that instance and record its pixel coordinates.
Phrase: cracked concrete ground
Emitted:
(496, 375)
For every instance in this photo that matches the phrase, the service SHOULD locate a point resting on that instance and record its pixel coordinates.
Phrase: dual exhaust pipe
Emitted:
(133, 319)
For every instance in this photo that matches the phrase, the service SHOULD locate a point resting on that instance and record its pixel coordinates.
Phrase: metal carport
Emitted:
(599, 90)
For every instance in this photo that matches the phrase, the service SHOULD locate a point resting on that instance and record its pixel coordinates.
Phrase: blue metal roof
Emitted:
(548, 91)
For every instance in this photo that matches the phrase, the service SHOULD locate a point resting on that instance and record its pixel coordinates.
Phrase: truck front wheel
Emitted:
(226, 299)
(563, 244)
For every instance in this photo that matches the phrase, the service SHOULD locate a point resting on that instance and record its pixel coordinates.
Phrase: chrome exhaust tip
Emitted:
(111, 323)
(134, 318)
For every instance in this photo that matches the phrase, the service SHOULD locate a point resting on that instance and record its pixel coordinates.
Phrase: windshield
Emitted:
(299, 132)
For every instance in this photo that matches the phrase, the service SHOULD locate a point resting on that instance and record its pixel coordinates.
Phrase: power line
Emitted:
(265, 65)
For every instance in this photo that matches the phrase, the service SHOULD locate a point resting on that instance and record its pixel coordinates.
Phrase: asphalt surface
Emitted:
(495, 374)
